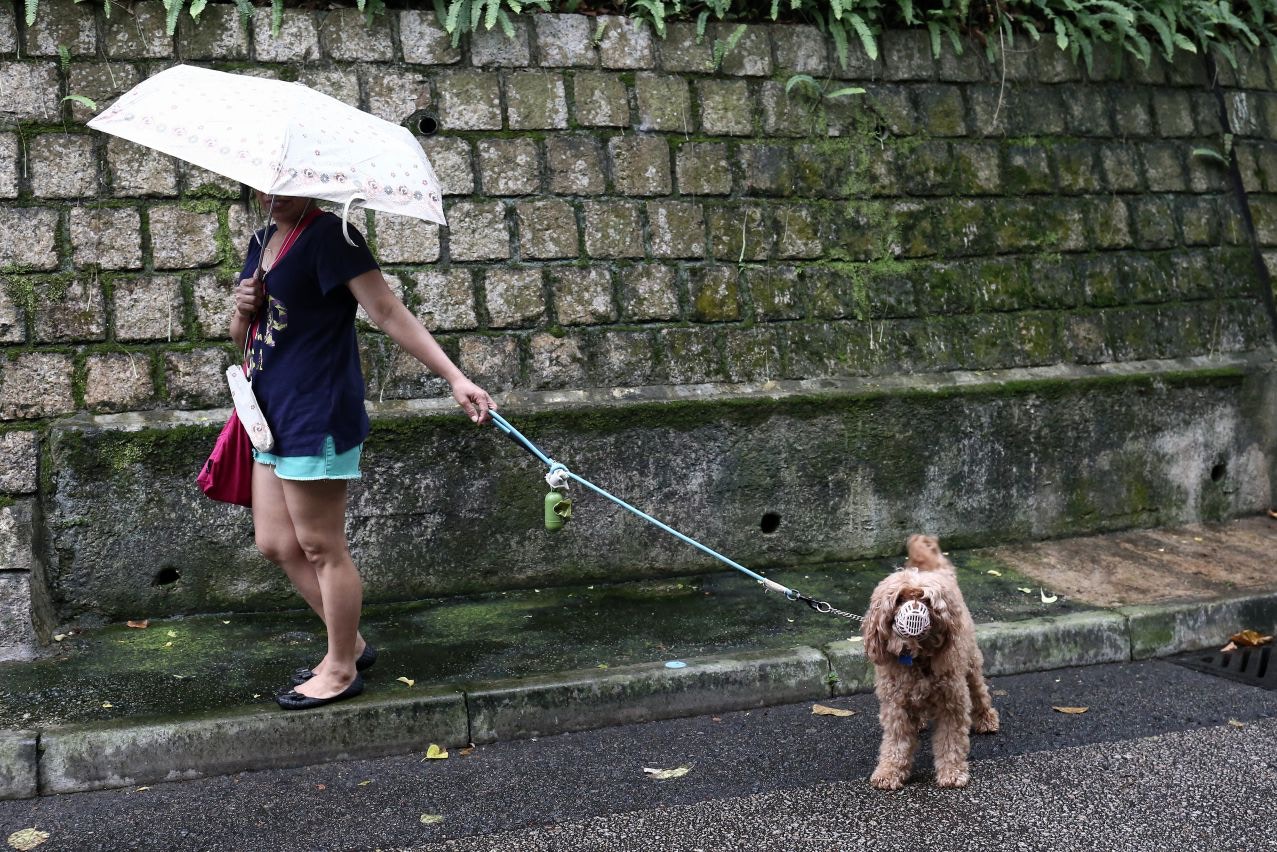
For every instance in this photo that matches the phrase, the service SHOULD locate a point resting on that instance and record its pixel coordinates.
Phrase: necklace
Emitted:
(286, 245)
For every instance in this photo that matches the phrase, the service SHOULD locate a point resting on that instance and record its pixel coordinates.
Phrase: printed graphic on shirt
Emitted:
(276, 319)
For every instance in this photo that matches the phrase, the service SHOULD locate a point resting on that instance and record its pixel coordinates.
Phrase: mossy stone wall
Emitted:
(776, 476)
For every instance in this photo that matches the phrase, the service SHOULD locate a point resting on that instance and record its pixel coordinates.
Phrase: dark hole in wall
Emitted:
(166, 576)
(1219, 471)
(770, 523)
(423, 122)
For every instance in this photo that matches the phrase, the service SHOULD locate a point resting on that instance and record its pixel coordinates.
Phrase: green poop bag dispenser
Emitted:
(558, 506)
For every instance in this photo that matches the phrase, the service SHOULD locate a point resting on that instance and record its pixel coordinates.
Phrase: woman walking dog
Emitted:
(297, 296)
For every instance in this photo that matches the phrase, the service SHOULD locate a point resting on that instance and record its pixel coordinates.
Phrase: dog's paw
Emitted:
(956, 777)
(986, 723)
(887, 779)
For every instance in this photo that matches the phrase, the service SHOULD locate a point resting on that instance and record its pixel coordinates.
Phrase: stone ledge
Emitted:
(19, 760)
(1164, 629)
(1011, 647)
(582, 700)
(557, 400)
(1077, 639)
(93, 757)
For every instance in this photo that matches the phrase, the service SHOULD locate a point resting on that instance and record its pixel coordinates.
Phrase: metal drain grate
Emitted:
(1252, 666)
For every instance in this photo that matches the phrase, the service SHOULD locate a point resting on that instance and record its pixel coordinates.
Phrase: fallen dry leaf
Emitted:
(467, 751)
(1231, 646)
(994, 573)
(665, 774)
(364, 783)
(1250, 638)
(431, 819)
(27, 839)
(172, 634)
(1023, 589)
(139, 625)
(1072, 711)
(822, 710)
(58, 637)
(107, 705)
(406, 681)
(1272, 514)
(1235, 723)
(998, 692)
(321, 786)
(436, 753)
(1047, 598)
(140, 789)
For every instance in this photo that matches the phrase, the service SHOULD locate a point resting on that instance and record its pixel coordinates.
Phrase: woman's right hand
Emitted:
(249, 295)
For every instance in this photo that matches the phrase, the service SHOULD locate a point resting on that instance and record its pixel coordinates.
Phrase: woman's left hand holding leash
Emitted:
(474, 400)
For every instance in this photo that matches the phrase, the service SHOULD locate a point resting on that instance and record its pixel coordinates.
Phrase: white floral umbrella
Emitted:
(280, 138)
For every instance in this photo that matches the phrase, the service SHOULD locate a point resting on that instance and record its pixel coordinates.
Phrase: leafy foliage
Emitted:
(465, 16)
(173, 10)
(1142, 29)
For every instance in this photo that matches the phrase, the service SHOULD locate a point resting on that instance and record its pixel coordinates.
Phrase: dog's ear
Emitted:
(878, 621)
(942, 614)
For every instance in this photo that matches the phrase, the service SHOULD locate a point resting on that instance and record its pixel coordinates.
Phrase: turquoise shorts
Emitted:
(328, 465)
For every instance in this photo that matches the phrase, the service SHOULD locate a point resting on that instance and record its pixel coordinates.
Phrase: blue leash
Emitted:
(559, 474)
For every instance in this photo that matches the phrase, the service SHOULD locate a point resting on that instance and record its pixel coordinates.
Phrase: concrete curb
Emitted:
(1054, 642)
(850, 669)
(92, 757)
(593, 699)
(1161, 630)
(18, 761)
(1010, 647)
(118, 754)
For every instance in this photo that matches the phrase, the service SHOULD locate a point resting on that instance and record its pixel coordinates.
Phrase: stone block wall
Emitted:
(623, 212)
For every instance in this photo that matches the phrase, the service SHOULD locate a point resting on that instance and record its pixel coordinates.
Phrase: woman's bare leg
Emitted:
(277, 541)
(317, 510)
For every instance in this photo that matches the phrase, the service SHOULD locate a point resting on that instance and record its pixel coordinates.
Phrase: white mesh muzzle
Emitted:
(912, 619)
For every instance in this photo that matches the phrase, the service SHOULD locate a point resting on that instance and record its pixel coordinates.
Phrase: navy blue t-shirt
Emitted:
(304, 362)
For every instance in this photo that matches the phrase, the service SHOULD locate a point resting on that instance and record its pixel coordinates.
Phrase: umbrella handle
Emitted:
(345, 213)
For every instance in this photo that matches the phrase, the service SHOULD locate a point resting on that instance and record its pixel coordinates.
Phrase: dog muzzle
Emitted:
(912, 619)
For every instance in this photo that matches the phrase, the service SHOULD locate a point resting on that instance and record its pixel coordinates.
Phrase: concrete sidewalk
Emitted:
(185, 698)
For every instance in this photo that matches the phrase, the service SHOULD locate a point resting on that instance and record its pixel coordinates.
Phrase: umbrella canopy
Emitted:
(280, 138)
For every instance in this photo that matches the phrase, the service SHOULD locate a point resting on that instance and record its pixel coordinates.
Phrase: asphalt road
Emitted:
(1163, 758)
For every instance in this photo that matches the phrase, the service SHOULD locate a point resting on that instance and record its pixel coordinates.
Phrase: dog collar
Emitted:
(906, 659)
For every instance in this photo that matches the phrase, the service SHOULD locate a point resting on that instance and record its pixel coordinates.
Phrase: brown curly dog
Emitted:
(935, 675)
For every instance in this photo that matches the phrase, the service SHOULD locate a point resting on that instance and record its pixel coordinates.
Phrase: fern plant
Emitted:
(459, 17)
(1228, 29)
(173, 11)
